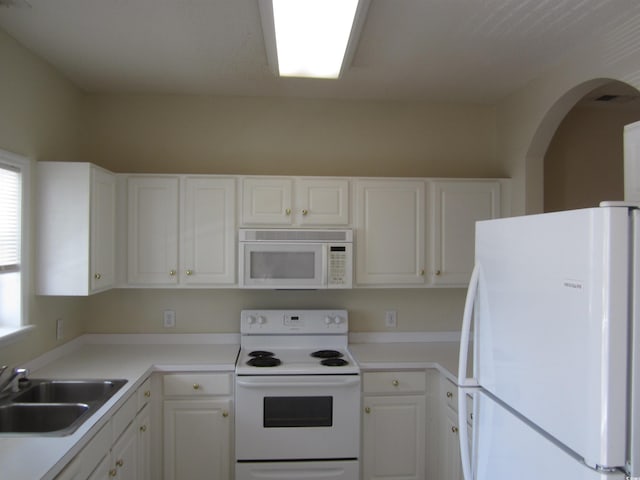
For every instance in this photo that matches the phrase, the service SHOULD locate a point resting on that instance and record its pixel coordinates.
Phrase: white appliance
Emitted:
(295, 258)
(297, 397)
(555, 342)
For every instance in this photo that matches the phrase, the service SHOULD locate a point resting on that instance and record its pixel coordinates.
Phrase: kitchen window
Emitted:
(14, 219)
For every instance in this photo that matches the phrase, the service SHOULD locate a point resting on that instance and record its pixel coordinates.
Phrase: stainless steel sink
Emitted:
(54, 407)
(69, 391)
(42, 418)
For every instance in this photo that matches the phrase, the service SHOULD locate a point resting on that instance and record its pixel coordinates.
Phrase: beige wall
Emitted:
(39, 119)
(584, 163)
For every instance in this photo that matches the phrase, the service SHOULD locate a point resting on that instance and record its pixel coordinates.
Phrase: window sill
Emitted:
(9, 335)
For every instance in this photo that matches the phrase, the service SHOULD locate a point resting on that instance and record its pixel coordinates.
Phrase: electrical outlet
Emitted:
(169, 318)
(391, 319)
(59, 329)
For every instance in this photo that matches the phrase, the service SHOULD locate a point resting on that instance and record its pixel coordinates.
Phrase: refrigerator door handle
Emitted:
(463, 380)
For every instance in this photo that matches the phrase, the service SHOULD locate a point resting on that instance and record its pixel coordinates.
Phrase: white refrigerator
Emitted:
(553, 318)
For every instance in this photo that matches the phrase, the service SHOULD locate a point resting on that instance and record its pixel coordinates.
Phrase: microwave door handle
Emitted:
(325, 264)
(298, 383)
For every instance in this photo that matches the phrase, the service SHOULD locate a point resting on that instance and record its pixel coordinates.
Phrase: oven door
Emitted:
(311, 417)
(283, 265)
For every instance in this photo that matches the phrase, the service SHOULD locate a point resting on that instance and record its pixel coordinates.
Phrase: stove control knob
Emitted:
(337, 319)
(261, 320)
(251, 319)
(328, 320)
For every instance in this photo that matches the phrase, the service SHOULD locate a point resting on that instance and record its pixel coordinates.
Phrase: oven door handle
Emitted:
(298, 383)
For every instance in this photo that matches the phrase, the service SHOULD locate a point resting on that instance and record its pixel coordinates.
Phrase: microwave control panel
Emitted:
(339, 268)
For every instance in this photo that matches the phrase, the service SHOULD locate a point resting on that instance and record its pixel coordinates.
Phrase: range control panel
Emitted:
(272, 322)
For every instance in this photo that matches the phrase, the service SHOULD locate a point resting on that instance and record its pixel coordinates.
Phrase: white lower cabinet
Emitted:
(394, 425)
(197, 426)
(118, 451)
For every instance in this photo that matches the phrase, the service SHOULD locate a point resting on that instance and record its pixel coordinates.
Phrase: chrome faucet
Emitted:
(11, 383)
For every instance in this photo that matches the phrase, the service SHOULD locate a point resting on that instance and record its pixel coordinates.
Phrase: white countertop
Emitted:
(117, 357)
(406, 355)
(33, 457)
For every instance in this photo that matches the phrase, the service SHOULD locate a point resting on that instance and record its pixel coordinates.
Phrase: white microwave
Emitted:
(295, 258)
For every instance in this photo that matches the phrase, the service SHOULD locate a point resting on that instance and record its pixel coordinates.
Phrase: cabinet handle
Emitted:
(147, 393)
(172, 273)
(305, 211)
(97, 276)
(454, 429)
(287, 211)
(113, 472)
(449, 394)
(143, 428)
(196, 386)
(189, 273)
(225, 414)
(367, 410)
(422, 272)
(120, 463)
(438, 273)
(395, 383)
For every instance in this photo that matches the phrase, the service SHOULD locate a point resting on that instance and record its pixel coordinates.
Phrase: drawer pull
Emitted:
(97, 276)
(367, 410)
(395, 383)
(449, 394)
(225, 414)
(196, 386)
(147, 393)
(454, 429)
(120, 463)
(143, 428)
(113, 472)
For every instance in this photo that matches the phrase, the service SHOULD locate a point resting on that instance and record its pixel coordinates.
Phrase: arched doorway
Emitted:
(583, 164)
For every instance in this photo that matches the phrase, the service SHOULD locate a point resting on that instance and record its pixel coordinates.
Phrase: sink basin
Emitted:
(54, 407)
(41, 418)
(69, 391)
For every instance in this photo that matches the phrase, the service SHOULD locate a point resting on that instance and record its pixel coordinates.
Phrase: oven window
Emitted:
(283, 265)
(298, 412)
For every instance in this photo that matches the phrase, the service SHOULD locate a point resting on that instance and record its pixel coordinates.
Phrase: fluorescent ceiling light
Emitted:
(311, 36)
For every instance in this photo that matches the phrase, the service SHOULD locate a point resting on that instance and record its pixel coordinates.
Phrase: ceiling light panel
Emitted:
(312, 36)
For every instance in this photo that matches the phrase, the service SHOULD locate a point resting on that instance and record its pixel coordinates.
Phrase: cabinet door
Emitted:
(394, 431)
(390, 232)
(451, 463)
(322, 202)
(103, 229)
(124, 454)
(207, 231)
(457, 206)
(267, 201)
(153, 230)
(197, 435)
(143, 426)
(104, 470)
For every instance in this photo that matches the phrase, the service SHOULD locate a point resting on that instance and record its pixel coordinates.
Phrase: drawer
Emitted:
(144, 393)
(449, 394)
(394, 382)
(123, 417)
(197, 384)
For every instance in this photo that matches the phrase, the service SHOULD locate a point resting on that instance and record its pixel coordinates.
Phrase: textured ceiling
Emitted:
(438, 50)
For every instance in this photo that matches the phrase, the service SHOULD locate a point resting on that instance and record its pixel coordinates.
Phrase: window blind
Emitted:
(10, 200)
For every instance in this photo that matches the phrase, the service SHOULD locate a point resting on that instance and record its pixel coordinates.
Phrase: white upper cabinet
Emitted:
(207, 231)
(181, 230)
(152, 230)
(456, 206)
(288, 201)
(390, 236)
(75, 229)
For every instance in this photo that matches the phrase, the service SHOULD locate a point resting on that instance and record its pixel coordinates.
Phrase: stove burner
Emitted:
(334, 362)
(326, 354)
(260, 353)
(264, 362)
